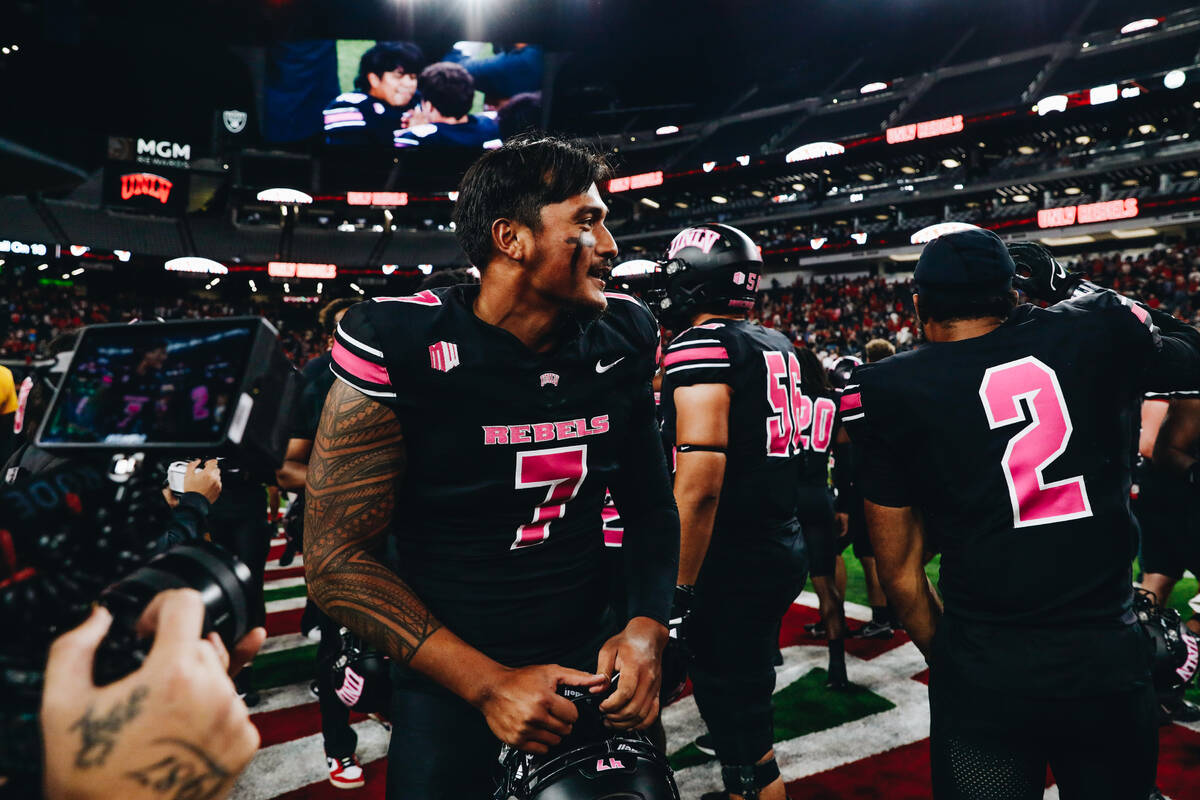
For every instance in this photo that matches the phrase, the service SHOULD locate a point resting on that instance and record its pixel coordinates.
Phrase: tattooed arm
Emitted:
(357, 463)
(173, 730)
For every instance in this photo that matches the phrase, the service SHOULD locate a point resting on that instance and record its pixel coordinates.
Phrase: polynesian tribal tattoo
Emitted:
(357, 460)
(182, 772)
(98, 734)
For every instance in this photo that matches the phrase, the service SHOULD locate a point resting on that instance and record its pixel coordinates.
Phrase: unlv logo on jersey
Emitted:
(443, 356)
(549, 379)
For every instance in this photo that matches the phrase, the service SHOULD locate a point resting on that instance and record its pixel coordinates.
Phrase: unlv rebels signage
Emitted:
(156, 152)
(151, 190)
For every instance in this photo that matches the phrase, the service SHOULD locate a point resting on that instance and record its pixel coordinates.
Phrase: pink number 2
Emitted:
(1034, 502)
(562, 469)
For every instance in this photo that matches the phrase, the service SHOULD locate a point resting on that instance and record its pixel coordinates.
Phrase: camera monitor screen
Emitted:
(151, 384)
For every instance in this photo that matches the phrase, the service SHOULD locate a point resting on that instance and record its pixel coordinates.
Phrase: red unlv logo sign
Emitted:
(145, 183)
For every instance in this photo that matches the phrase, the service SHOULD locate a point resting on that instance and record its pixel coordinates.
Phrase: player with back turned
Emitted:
(1004, 443)
(496, 416)
(734, 411)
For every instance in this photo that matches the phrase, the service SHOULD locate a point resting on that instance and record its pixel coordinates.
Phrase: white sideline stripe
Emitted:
(284, 583)
(288, 766)
(288, 641)
(286, 604)
(290, 696)
(1191, 726)
(854, 611)
(273, 565)
(823, 750)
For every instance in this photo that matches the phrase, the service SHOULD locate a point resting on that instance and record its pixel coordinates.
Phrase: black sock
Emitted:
(880, 614)
(837, 651)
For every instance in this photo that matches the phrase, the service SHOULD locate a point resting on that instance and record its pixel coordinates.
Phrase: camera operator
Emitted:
(174, 725)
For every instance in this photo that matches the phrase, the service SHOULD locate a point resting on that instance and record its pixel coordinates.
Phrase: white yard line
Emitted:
(288, 766)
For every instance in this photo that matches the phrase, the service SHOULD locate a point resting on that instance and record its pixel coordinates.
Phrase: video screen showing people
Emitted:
(134, 387)
(399, 95)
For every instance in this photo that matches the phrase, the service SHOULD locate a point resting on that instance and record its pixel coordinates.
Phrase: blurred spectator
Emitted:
(443, 118)
(513, 70)
(385, 90)
(520, 114)
(301, 77)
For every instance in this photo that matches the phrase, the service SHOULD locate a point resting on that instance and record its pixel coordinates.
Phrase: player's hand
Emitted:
(636, 653)
(842, 520)
(524, 710)
(205, 481)
(1040, 275)
(175, 722)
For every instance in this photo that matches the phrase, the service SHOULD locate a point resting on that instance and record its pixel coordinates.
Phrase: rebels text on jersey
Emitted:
(1014, 446)
(509, 452)
(770, 420)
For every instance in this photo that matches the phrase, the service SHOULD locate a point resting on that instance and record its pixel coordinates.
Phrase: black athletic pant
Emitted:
(993, 745)
(747, 583)
(340, 738)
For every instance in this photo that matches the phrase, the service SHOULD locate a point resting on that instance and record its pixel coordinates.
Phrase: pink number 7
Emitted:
(562, 469)
(1034, 502)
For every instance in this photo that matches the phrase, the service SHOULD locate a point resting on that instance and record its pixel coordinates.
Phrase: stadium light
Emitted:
(951, 163)
(866, 176)
(196, 264)
(1140, 25)
(320, 287)
(719, 200)
(1146, 129)
(388, 269)
(799, 187)
(1020, 198)
(1067, 241)
(813, 150)
(958, 187)
(646, 201)
(425, 268)
(1174, 79)
(43, 267)
(1083, 139)
(908, 169)
(708, 166)
(744, 160)
(667, 130)
(122, 255)
(860, 238)
(253, 286)
(78, 271)
(637, 266)
(871, 88)
(1072, 190)
(928, 234)
(1055, 102)
(79, 249)
(453, 196)
(1106, 93)
(1026, 150)
(1133, 233)
(818, 242)
(355, 287)
(281, 195)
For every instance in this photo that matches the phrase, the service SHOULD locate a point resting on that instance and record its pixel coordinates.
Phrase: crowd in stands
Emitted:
(833, 315)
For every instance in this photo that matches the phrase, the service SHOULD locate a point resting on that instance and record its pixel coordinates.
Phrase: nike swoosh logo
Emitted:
(601, 367)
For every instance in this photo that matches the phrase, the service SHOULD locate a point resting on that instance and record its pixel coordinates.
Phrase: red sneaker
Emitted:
(345, 773)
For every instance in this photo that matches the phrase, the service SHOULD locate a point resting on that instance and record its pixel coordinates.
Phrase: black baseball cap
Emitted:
(965, 263)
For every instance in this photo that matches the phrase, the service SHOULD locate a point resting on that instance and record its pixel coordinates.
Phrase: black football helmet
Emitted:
(708, 266)
(592, 763)
(1174, 652)
(361, 676)
(839, 373)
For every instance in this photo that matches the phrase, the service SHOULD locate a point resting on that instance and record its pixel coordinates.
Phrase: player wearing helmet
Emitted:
(733, 410)
(1005, 435)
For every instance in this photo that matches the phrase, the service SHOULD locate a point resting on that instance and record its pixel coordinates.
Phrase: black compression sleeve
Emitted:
(642, 493)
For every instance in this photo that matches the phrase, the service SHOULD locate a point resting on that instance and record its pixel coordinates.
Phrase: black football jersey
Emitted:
(769, 418)
(509, 453)
(1015, 448)
(356, 118)
(817, 440)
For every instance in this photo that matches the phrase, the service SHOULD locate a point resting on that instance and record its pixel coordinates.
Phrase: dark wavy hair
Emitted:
(385, 57)
(516, 182)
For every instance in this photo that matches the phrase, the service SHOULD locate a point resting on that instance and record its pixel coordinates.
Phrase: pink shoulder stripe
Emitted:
(696, 354)
(619, 296)
(850, 402)
(360, 367)
(425, 298)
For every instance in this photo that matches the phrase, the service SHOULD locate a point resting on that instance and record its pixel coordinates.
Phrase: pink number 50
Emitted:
(562, 469)
(1034, 502)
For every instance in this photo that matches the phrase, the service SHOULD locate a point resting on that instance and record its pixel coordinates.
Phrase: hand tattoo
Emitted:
(185, 773)
(357, 461)
(99, 734)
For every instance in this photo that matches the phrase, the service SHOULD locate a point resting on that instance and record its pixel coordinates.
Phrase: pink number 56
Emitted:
(1034, 502)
